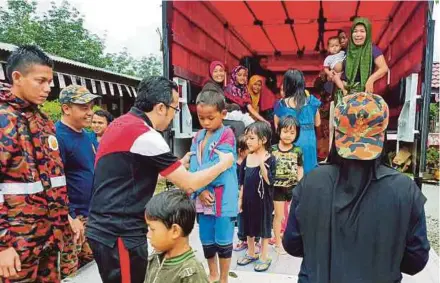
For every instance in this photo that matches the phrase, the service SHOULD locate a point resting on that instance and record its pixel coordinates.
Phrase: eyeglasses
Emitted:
(177, 109)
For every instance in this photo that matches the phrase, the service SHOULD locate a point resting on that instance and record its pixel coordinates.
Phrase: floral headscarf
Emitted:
(238, 93)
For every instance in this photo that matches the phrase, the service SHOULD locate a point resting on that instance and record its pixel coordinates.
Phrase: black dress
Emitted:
(257, 199)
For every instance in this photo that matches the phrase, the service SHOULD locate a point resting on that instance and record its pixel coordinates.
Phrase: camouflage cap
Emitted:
(76, 94)
(360, 123)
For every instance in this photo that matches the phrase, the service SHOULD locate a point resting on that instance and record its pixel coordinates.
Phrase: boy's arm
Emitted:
(193, 164)
(224, 148)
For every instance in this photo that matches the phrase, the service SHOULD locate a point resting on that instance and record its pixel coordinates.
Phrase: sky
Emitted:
(133, 23)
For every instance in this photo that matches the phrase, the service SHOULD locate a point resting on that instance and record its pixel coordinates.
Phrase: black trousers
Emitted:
(119, 264)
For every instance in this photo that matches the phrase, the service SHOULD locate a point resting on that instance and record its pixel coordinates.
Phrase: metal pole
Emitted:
(424, 131)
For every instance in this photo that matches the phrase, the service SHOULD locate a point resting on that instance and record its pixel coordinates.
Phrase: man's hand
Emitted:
(240, 205)
(226, 159)
(9, 263)
(78, 230)
(206, 198)
(186, 158)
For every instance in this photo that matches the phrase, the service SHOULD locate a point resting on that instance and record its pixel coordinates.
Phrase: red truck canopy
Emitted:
(203, 31)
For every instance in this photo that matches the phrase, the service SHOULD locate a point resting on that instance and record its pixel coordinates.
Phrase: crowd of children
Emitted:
(247, 194)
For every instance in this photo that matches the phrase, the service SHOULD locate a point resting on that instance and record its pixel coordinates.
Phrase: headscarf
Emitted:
(359, 58)
(213, 65)
(210, 83)
(236, 92)
(255, 97)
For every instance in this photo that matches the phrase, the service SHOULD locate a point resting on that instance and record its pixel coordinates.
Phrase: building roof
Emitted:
(10, 48)
(435, 83)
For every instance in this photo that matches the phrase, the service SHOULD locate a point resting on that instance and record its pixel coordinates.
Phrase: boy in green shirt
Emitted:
(170, 217)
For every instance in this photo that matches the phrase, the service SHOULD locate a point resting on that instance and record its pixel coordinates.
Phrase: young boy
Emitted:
(170, 217)
(216, 204)
(333, 63)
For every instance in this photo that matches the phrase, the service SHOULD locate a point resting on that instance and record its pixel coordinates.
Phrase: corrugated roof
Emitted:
(11, 48)
(435, 75)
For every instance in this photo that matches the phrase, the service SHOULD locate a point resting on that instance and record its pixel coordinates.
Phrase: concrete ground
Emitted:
(285, 268)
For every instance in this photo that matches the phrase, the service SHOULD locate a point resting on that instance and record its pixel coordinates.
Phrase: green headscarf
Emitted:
(359, 58)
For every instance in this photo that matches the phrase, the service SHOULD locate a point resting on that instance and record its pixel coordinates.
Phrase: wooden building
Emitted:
(117, 90)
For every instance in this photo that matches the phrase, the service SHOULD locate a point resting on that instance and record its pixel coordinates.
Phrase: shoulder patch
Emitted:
(53, 142)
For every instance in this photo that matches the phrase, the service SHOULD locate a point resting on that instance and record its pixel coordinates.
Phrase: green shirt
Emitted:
(286, 175)
(180, 269)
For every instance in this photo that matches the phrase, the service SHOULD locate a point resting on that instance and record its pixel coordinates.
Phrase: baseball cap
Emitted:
(76, 94)
(360, 123)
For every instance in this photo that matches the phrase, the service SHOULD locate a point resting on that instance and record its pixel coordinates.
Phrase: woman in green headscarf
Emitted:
(365, 63)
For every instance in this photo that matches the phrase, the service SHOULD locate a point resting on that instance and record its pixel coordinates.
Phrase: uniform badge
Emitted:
(53, 143)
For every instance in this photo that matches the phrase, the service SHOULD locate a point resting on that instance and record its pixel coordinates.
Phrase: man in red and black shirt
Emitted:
(131, 155)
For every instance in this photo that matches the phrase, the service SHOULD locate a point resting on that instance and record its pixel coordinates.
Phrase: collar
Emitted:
(18, 103)
(179, 259)
(202, 134)
(140, 114)
(384, 171)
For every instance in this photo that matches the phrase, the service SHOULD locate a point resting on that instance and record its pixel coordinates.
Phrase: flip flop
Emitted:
(247, 259)
(261, 266)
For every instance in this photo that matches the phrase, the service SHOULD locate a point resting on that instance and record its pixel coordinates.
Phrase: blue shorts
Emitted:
(216, 230)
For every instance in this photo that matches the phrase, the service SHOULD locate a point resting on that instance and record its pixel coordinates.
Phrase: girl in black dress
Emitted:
(256, 193)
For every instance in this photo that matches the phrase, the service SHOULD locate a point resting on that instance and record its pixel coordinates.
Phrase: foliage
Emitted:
(432, 157)
(53, 109)
(124, 63)
(433, 112)
(60, 31)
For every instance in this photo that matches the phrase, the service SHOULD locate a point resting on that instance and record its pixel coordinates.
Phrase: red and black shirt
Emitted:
(130, 157)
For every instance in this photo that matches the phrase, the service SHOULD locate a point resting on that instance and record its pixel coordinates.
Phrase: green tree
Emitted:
(149, 66)
(19, 23)
(60, 31)
(122, 62)
(64, 34)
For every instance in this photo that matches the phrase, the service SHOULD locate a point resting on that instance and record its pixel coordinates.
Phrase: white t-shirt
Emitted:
(331, 60)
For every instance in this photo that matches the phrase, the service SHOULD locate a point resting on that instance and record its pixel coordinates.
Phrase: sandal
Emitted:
(261, 266)
(241, 245)
(246, 259)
